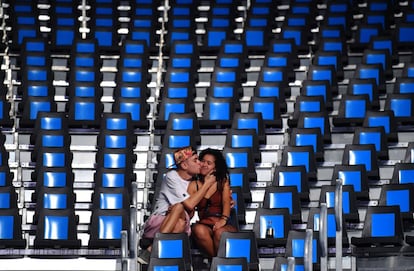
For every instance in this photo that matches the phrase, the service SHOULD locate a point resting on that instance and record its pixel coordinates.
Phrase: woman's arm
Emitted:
(226, 199)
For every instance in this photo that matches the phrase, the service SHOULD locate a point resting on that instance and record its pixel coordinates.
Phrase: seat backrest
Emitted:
(398, 194)
(230, 264)
(292, 176)
(284, 197)
(362, 154)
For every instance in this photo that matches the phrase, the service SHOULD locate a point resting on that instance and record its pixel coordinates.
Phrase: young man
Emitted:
(174, 206)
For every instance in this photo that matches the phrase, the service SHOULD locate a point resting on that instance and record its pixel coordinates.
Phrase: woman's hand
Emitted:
(219, 224)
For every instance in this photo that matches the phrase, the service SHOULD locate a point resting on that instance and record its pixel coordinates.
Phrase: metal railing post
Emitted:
(338, 221)
(323, 236)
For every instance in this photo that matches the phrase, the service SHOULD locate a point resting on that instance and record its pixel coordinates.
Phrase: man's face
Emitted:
(193, 165)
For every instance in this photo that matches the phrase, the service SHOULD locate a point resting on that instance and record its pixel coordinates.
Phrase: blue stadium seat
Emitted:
(362, 154)
(269, 107)
(379, 56)
(306, 104)
(11, 234)
(318, 88)
(243, 138)
(300, 156)
(374, 70)
(219, 112)
(330, 58)
(288, 46)
(136, 107)
(333, 44)
(296, 247)
(404, 39)
(382, 233)
(308, 137)
(172, 245)
(6, 176)
(349, 201)
(359, 86)
(324, 72)
(239, 208)
(84, 111)
(314, 224)
(106, 226)
(352, 110)
(403, 173)
(240, 244)
(157, 264)
(282, 263)
(400, 194)
(372, 135)
(239, 177)
(362, 36)
(386, 42)
(230, 264)
(284, 197)
(56, 228)
(354, 175)
(250, 120)
(384, 118)
(403, 85)
(8, 197)
(402, 105)
(111, 198)
(53, 177)
(292, 175)
(271, 227)
(240, 158)
(273, 89)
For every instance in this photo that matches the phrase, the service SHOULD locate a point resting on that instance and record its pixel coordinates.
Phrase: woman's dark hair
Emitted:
(221, 165)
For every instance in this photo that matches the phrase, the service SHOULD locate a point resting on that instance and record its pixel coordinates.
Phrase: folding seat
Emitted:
(35, 52)
(177, 139)
(111, 198)
(403, 173)
(24, 23)
(362, 154)
(384, 118)
(382, 233)
(335, 32)
(272, 89)
(330, 58)
(220, 263)
(372, 135)
(358, 86)
(50, 157)
(333, 44)
(385, 42)
(8, 197)
(134, 53)
(11, 225)
(306, 104)
(56, 228)
(257, 38)
(64, 26)
(52, 198)
(269, 108)
(136, 107)
(284, 197)
(240, 244)
(106, 226)
(235, 48)
(404, 38)
(84, 111)
(352, 110)
(58, 177)
(240, 158)
(239, 177)
(382, 57)
(219, 112)
(402, 105)
(180, 26)
(144, 23)
(362, 36)
(184, 122)
(273, 59)
(318, 88)
(308, 137)
(271, 227)
(400, 194)
(314, 218)
(174, 105)
(166, 264)
(115, 158)
(31, 107)
(355, 176)
(296, 247)
(403, 85)
(104, 26)
(349, 201)
(324, 72)
(288, 46)
(298, 34)
(292, 176)
(113, 178)
(250, 120)
(243, 138)
(172, 245)
(338, 18)
(300, 156)
(375, 17)
(213, 38)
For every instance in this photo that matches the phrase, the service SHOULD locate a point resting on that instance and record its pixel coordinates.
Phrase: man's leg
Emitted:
(174, 220)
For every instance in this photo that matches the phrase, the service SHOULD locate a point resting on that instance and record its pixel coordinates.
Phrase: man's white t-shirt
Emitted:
(173, 190)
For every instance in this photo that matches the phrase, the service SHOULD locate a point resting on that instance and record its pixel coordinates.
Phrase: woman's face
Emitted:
(208, 164)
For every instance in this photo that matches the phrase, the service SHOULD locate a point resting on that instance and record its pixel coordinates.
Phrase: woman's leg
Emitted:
(202, 235)
(217, 235)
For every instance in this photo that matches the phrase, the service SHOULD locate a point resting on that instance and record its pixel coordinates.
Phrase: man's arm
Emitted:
(191, 202)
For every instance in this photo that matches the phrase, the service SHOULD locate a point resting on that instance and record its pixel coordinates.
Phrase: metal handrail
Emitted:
(291, 263)
(308, 250)
(338, 220)
(323, 236)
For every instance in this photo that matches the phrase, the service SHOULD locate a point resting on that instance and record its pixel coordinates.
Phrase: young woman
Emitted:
(214, 208)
